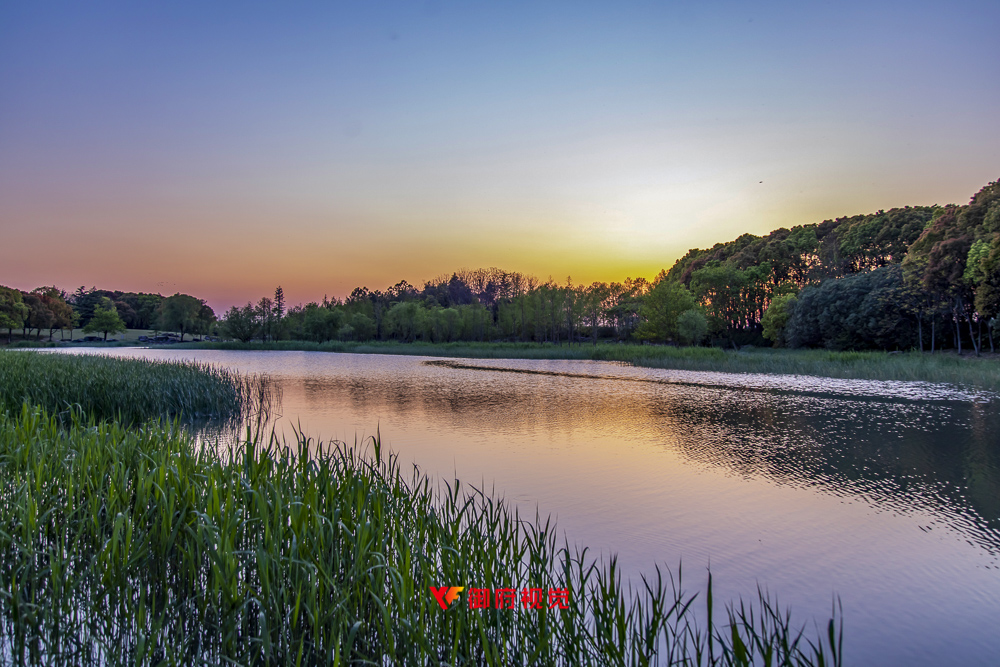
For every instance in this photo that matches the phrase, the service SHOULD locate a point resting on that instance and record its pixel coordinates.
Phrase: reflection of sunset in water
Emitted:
(797, 484)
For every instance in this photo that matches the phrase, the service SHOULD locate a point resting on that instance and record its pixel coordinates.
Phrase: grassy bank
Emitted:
(982, 372)
(136, 546)
(131, 390)
(64, 336)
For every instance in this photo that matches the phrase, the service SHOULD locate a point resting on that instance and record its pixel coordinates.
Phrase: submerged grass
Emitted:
(981, 372)
(137, 546)
(131, 390)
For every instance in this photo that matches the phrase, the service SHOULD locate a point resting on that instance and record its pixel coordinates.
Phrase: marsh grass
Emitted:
(968, 370)
(130, 390)
(137, 546)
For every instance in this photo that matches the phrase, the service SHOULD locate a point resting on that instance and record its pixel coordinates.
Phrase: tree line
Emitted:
(469, 305)
(50, 309)
(917, 277)
(921, 277)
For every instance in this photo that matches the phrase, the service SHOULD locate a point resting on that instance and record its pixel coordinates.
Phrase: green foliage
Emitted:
(734, 298)
(13, 310)
(186, 314)
(138, 310)
(142, 547)
(241, 323)
(39, 316)
(441, 325)
(661, 308)
(776, 317)
(736, 281)
(359, 327)
(129, 389)
(692, 327)
(105, 320)
(987, 300)
(983, 211)
(868, 242)
(975, 263)
(864, 311)
(404, 321)
(63, 316)
(318, 323)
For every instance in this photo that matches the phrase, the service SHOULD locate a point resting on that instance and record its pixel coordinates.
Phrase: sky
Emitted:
(221, 149)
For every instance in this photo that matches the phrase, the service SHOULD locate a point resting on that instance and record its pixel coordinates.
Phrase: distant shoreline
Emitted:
(982, 372)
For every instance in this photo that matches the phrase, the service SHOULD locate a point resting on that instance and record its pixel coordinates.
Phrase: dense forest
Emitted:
(925, 277)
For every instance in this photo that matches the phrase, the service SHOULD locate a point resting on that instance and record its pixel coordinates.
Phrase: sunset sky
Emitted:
(220, 149)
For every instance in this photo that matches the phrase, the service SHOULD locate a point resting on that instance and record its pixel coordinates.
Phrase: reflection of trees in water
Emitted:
(528, 403)
(939, 457)
(900, 455)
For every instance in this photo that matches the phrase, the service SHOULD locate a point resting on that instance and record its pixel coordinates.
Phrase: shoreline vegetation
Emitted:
(980, 372)
(910, 278)
(132, 390)
(139, 544)
(969, 370)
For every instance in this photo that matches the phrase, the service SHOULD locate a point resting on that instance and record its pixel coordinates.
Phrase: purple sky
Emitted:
(221, 149)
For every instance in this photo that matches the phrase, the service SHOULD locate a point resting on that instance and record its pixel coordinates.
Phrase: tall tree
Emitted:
(278, 313)
(661, 307)
(84, 301)
(265, 314)
(39, 315)
(64, 317)
(776, 317)
(594, 306)
(692, 326)
(105, 319)
(186, 314)
(13, 311)
(241, 323)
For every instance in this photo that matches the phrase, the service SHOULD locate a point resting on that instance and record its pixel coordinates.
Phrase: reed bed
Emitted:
(131, 390)
(137, 546)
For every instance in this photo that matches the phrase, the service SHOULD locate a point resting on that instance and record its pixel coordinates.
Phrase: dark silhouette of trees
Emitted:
(241, 323)
(137, 310)
(185, 314)
(862, 311)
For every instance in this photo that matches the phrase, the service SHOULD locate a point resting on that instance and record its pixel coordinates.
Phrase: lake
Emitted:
(886, 494)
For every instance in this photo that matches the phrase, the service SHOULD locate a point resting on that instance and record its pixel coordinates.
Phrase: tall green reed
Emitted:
(138, 546)
(131, 390)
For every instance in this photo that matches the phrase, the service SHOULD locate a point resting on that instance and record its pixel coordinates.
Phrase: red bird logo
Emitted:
(445, 595)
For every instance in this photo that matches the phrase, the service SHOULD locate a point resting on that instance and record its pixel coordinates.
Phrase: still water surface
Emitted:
(884, 494)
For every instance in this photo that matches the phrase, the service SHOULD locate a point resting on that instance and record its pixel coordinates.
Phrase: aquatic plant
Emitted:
(131, 390)
(137, 545)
